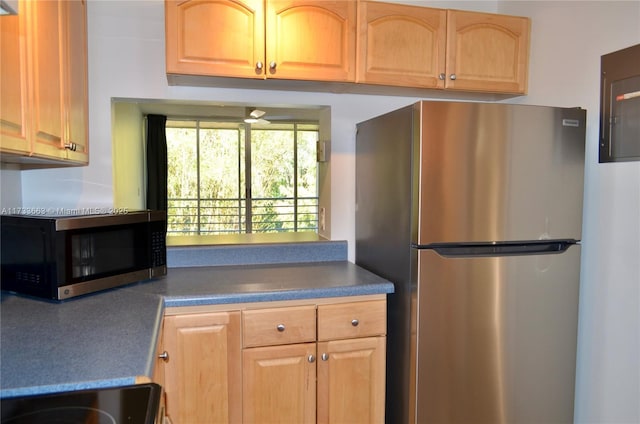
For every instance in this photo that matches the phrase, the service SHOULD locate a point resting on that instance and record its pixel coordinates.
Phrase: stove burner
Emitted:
(64, 415)
(136, 404)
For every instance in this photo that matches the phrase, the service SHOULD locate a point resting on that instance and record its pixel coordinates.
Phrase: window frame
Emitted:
(246, 222)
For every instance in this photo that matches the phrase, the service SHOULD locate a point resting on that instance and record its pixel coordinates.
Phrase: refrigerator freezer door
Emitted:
(496, 338)
(495, 172)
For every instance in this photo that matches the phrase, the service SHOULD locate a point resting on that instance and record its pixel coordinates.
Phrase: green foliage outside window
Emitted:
(210, 173)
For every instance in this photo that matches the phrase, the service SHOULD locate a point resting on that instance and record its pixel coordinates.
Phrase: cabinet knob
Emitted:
(442, 76)
(311, 358)
(272, 66)
(259, 65)
(71, 146)
(355, 322)
(325, 357)
(280, 327)
(452, 77)
(164, 356)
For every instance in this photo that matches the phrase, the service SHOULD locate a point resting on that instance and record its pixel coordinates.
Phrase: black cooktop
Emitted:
(136, 404)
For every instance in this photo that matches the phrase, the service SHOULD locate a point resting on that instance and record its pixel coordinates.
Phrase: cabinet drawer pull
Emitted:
(280, 327)
(355, 322)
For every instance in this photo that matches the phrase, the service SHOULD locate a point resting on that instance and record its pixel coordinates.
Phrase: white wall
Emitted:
(126, 59)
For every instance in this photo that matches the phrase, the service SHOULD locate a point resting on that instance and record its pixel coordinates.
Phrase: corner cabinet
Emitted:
(44, 114)
(279, 39)
(315, 361)
(412, 46)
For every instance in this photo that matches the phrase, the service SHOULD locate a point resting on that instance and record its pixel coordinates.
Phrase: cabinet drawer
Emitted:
(264, 327)
(349, 320)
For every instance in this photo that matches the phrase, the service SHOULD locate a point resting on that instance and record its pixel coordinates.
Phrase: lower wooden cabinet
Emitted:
(318, 362)
(351, 381)
(203, 374)
(279, 384)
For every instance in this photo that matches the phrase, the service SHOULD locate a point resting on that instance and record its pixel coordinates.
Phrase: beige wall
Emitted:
(129, 189)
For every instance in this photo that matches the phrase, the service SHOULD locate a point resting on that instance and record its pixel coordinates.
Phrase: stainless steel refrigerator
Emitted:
(474, 211)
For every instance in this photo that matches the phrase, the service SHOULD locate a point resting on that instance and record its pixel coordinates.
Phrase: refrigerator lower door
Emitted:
(496, 338)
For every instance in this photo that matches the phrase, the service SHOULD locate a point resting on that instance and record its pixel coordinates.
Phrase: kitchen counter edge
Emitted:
(194, 286)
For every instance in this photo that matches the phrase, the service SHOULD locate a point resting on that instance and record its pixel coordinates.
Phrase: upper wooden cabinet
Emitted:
(44, 72)
(215, 37)
(311, 39)
(289, 39)
(401, 45)
(413, 46)
(487, 52)
(13, 79)
(318, 40)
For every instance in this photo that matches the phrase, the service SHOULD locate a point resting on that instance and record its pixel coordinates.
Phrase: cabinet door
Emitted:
(487, 52)
(203, 374)
(351, 381)
(158, 375)
(401, 45)
(279, 384)
(311, 39)
(13, 80)
(74, 83)
(45, 36)
(215, 37)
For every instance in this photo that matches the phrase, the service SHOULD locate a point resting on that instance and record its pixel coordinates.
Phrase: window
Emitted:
(233, 178)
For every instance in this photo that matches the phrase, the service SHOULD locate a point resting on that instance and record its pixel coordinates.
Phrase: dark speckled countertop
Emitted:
(108, 339)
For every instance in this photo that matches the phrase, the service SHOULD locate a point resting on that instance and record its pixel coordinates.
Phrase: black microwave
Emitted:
(59, 257)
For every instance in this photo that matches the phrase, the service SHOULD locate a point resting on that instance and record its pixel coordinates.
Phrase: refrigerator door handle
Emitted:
(502, 249)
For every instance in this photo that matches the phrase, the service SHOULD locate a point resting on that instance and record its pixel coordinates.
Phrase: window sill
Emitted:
(243, 239)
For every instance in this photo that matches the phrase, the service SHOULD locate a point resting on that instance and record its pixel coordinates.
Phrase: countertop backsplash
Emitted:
(256, 254)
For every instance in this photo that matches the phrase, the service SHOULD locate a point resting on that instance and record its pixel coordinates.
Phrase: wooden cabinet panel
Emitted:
(401, 45)
(351, 381)
(351, 320)
(45, 31)
(311, 39)
(44, 84)
(436, 48)
(263, 327)
(75, 84)
(204, 373)
(215, 37)
(13, 80)
(290, 39)
(279, 384)
(487, 52)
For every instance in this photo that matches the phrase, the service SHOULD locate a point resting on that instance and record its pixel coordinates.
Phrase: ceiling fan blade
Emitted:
(257, 113)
